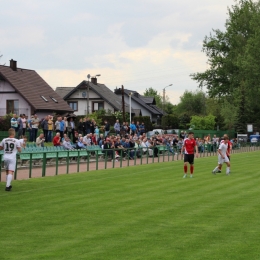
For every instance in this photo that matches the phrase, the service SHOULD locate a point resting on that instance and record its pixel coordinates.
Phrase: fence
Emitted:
(53, 161)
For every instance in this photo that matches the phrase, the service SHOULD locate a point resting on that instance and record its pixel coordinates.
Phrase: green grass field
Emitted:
(142, 212)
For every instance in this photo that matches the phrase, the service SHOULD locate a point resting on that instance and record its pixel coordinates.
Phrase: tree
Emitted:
(233, 58)
(192, 103)
(203, 122)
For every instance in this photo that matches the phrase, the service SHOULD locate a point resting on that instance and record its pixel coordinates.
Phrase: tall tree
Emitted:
(233, 57)
(192, 103)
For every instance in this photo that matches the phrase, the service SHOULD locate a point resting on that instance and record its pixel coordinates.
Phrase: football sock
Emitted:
(185, 168)
(9, 179)
(215, 169)
(228, 170)
(191, 169)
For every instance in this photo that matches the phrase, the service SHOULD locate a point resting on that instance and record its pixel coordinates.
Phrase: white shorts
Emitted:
(221, 160)
(10, 164)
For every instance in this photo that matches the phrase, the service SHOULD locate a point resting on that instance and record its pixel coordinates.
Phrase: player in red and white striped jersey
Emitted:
(189, 144)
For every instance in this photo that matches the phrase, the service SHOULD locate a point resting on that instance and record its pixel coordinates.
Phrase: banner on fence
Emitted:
(242, 138)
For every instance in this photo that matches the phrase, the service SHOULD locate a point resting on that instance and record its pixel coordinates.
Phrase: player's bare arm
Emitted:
(1, 148)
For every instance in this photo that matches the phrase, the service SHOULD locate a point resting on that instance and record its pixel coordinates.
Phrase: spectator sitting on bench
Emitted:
(80, 144)
(56, 140)
(67, 144)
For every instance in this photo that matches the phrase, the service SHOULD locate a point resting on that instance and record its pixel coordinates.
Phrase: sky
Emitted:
(139, 44)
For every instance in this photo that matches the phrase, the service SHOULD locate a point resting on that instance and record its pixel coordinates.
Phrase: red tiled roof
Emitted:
(31, 87)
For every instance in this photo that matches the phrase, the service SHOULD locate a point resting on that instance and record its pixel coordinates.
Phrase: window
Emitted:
(44, 98)
(97, 106)
(73, 105)
(12, 106)
(55, 100)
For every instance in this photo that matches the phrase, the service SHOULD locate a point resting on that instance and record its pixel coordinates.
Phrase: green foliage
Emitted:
(5, 122)
(229, 114)
(234, 64)
(203, 122)
(192, 103)
(170, 121)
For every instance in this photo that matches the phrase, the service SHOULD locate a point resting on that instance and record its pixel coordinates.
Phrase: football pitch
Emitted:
(140, 212)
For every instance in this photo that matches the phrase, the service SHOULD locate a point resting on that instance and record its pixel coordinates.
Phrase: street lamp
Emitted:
(130, 99)
(89, 76)
(164, 96)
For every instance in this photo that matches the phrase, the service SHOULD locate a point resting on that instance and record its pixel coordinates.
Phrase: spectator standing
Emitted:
(40, 140)
(97, 132)
(29, 124)
(24, 120)
(45, 127)
(20, 126)
(65, 125)
(133, 128)
(14, 123)
(107, 128)
(10, 146)
(117, 127)
(87, 126)
(80, 126)
(35, 125)
(71, 128)
(50, 128)
(57, 125)
(62, 127)
(142, 128)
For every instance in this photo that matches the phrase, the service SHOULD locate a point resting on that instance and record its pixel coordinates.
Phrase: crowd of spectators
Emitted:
(128, 138)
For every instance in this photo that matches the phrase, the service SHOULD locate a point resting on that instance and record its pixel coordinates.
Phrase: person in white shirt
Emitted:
(222, 156)
(10, 146)
(23, 141)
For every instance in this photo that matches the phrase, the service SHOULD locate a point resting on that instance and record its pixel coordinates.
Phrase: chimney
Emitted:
(13, 65)
(94, 80)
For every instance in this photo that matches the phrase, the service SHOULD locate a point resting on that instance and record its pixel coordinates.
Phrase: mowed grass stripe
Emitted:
(143, 212)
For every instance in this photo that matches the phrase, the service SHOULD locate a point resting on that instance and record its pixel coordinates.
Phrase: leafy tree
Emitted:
(192, 103)
(229, 114)
(203, 122)
(233, 57)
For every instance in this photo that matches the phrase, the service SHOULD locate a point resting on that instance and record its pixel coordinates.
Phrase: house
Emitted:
(23, 91)
(92, 96)
(146, 105)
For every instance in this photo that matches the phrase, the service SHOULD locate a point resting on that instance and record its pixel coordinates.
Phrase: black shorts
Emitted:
(189, 158)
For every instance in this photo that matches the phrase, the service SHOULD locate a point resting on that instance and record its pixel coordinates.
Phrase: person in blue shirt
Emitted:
(62, 127)
(133, 128)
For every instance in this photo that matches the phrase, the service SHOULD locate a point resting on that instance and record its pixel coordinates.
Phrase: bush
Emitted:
(5, 122)
(170, 122)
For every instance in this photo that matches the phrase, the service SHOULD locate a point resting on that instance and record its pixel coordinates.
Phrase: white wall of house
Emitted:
(24, 107)
(82, 102)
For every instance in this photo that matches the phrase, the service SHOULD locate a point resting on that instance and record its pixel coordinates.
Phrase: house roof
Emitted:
(100, 89)
(34, 89)
(63, 91)
(148, 100)
(138, 98)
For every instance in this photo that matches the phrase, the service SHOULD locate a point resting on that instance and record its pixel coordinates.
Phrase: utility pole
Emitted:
(164, 101)
(123, 102)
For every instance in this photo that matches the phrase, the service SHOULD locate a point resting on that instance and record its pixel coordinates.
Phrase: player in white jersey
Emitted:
(10, 146)
(222, 156)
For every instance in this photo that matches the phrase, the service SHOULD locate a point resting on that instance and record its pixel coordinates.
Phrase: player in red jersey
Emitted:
(188, 148)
